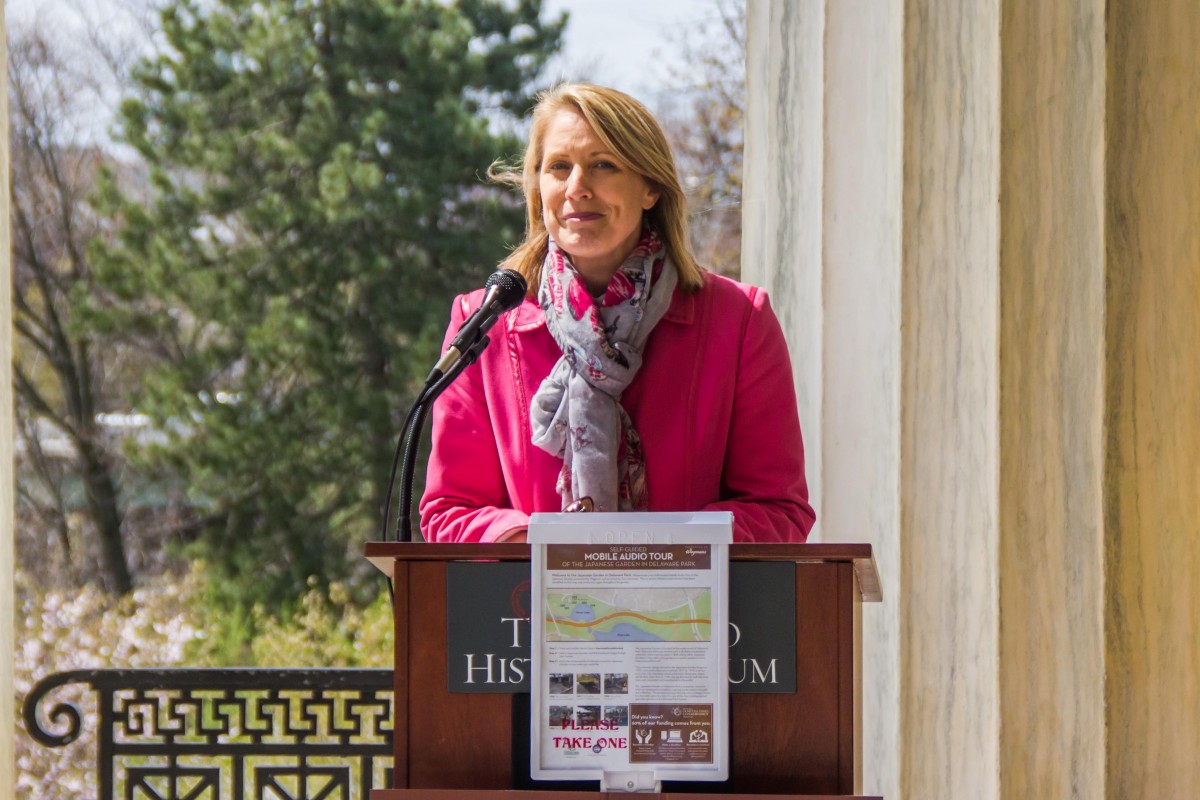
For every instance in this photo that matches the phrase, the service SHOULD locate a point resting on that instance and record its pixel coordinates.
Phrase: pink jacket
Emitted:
(713, 403)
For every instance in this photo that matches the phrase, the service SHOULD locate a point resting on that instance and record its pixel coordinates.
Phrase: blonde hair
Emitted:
(634, 136)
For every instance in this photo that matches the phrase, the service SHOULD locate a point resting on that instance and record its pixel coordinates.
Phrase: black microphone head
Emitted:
(509, 288)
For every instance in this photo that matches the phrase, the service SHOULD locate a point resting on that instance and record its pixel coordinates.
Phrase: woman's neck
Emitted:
(596, 279)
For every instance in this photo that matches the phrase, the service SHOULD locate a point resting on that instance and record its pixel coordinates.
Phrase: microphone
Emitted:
(505, 291)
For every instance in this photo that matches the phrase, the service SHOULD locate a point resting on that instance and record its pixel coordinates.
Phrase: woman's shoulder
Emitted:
(731, 298)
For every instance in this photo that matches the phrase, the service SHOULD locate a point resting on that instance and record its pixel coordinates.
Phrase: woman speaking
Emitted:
(629, 379)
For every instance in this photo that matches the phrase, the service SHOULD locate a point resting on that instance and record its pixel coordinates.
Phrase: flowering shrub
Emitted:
(85, 629)
(163, 624)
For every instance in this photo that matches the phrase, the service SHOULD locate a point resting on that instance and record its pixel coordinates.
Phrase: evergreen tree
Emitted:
(316, 200)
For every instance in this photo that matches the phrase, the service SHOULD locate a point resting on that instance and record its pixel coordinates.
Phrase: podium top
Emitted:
(384, 554)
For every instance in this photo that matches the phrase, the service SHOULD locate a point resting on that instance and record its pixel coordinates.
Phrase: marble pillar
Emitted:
(1002, 334)
(7, 556)
(1052, 364)
(948, 527)
(776, 223)
(1152, 399)
(803, 92)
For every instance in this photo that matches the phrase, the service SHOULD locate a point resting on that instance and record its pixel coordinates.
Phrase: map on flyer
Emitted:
(629, 615)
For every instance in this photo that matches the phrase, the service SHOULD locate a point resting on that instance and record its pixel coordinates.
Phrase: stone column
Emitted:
(1152, 399)
(948, 531)
(1051, 366)
(1004, 344)
(818, 72)
(7, 554)
(777, 229)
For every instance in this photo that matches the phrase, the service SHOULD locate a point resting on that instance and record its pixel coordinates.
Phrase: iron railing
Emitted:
(214, 734)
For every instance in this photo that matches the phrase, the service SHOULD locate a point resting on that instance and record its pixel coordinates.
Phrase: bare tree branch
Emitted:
(54, 173)
(707, 133)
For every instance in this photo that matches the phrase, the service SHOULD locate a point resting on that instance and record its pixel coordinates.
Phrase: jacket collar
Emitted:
(528, 316)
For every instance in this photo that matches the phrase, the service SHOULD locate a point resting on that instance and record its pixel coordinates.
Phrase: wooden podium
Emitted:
(806, 744)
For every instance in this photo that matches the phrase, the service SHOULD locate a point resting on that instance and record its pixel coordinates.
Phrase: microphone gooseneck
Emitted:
(505, 289)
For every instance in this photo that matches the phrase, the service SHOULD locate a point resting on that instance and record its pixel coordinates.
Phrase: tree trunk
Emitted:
(104, 503)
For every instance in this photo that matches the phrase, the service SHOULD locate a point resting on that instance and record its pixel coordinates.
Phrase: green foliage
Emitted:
(315, 201)
(326, 627)
(329, 631)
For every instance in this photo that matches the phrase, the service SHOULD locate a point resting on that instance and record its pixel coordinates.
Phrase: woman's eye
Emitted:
(605, 165)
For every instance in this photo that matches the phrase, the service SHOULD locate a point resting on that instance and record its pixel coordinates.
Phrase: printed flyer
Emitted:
(629, 675)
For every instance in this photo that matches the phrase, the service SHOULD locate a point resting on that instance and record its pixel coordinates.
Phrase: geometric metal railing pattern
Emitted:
(229, 734)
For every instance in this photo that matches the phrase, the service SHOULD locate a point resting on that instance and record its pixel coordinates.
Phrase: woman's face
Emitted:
(592, 204)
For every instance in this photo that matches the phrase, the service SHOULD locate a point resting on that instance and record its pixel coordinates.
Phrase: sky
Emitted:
(631, 45)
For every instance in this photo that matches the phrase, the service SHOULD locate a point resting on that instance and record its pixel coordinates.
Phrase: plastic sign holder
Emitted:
(629, 672)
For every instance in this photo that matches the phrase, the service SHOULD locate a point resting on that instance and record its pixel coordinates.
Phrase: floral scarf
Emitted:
(577, 413)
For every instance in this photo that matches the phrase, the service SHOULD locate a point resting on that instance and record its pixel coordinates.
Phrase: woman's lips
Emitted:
(582, 216)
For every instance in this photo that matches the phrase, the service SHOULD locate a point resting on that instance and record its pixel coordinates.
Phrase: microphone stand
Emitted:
(504, 290)
(411, 437)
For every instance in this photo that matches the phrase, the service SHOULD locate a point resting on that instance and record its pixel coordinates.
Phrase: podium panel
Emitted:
(806, 744)
(516, 794)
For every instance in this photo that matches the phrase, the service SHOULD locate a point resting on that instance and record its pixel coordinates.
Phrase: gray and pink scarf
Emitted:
(577, 413)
